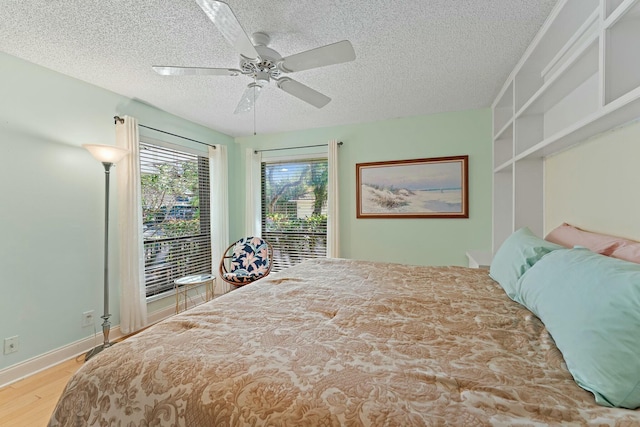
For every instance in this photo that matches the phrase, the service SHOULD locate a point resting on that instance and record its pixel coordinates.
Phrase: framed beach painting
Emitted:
(419, 188)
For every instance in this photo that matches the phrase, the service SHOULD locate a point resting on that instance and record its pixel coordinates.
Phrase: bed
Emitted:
(340, 342)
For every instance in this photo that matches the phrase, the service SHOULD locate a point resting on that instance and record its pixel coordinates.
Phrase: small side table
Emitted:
(183, 285)
(479, 259)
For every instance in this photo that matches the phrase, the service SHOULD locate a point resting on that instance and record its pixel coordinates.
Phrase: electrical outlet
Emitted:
(87, 318)
(11, 344)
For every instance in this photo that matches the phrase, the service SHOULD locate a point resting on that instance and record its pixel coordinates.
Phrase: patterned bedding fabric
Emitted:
(340, 342)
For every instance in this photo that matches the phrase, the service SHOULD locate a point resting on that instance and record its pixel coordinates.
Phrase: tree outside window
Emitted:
(175, 213)
(294, 217)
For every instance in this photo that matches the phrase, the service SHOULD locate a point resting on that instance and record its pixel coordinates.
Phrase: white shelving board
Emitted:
(580, 77)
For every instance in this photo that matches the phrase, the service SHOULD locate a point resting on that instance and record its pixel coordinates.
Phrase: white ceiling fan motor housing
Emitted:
(266, 66)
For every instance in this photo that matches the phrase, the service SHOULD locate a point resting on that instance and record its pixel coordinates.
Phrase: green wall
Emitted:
(52, 202)
(52, 191)
(412, 241)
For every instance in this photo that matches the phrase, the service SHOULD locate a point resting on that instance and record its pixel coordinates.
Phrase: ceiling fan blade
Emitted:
(223, 18)
(248, 99)
(303, 92)
(335, 53)
(194, 71)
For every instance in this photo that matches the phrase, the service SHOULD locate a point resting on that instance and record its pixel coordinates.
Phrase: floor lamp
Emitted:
(108, 155)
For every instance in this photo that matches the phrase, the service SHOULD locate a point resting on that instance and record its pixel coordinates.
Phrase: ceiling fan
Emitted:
(262, 63)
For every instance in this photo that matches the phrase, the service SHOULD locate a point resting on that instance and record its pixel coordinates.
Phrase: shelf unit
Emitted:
(579, 77)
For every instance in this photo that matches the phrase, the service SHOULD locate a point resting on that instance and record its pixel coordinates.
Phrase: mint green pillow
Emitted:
(517, 254)
(590, 305)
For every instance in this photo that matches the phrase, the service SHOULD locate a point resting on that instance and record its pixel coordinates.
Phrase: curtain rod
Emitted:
(293, 148)
(117, 119)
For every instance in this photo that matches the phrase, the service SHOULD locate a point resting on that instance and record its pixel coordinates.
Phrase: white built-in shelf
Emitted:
(586, 30)
(576, 70)
(504, 167)
(622, 59)
(557, 36)
(622, 9)
(604, 120)
(612, 6)
(503, 110)
(503, 145)
(507, 128)
(580, 77)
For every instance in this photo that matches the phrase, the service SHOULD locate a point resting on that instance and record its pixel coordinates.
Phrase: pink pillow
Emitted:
(628, 251)
(569, 236)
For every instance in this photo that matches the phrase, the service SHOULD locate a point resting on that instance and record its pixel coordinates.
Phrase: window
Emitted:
(294, 210)
(175, 215)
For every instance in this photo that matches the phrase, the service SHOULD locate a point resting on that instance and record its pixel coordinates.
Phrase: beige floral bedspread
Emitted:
(340, 342)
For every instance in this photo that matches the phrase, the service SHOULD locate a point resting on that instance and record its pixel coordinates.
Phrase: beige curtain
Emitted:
(253, 203)
(333, 237)
(133, 299)
(218, 176)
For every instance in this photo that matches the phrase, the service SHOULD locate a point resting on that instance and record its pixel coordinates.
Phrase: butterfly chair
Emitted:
(246, 261)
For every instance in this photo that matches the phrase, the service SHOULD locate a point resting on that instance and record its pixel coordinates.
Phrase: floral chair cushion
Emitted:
(242, 277)
(249, 262)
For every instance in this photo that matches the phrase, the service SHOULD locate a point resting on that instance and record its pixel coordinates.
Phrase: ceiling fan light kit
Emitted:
(248, 98)
(261, 63)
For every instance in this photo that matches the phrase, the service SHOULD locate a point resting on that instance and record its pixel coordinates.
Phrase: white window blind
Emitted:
(175, 215)
(294, 210)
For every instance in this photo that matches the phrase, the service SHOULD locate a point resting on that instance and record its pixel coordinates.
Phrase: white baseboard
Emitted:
(51, 358)
(158, 315)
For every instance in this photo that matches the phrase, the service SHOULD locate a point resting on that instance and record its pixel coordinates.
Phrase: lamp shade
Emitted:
(106, 153)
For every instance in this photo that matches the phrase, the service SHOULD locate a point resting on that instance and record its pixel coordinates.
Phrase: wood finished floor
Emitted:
(30, 402)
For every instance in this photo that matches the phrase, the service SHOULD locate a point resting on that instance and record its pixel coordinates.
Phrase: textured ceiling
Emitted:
(413, 57)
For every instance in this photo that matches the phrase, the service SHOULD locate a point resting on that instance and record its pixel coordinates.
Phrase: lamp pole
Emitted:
(106, 325)
(108, 156)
